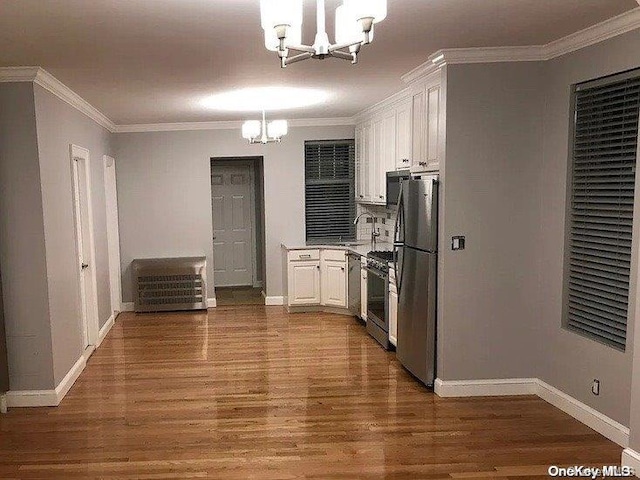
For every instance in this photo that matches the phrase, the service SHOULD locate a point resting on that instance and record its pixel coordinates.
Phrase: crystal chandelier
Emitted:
(256, 131)
(282, 24)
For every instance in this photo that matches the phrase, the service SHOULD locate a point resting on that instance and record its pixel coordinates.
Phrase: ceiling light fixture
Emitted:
(282, 24)
(262, 132)
(265, 98)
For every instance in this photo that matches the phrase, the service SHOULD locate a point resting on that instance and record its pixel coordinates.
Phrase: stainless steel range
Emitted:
(378, 296)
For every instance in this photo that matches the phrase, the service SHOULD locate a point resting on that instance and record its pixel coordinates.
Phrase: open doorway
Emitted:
(237, 206)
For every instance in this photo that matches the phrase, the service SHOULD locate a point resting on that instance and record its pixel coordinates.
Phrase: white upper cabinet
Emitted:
(404, 135)
(427, 115)
(407, 134)
(377, 193)
(363, 162)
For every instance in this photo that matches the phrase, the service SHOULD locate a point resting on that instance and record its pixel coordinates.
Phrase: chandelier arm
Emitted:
(336, 47)
(342, 55)
(296, 58)
(301, 48)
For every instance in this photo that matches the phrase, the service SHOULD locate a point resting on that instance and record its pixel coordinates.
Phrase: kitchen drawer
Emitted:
(336, 255)
(297, 255)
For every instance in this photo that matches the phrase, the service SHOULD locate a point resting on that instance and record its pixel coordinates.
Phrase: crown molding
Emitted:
(228, 125)
(597, 33)
(59, 89)
(41, 77)
(600, 32)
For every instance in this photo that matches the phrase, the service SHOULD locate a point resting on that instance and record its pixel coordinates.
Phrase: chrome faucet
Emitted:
(375, 233)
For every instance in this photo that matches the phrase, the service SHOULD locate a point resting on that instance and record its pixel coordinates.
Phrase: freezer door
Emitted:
(419, 220)
(416, 348)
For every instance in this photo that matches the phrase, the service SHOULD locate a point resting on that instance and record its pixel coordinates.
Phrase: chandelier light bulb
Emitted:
(277, 128)
(274, 13)
(251, 129)
(361, 9)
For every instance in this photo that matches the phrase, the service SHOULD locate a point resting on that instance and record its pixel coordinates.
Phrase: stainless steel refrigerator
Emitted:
(416, 243)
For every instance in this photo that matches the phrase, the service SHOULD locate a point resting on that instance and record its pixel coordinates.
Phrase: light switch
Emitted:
(457, 243)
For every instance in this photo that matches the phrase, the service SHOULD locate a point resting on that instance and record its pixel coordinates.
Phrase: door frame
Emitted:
(90, 316)
(113, 234)
(252, 199)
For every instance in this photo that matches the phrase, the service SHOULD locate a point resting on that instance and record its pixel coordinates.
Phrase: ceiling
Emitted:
(153, 61)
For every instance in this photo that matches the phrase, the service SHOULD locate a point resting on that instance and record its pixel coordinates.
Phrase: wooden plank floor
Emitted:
(254, 393)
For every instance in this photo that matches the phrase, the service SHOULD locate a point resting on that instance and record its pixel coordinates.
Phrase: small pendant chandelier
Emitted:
(282, 24)
(257, 132)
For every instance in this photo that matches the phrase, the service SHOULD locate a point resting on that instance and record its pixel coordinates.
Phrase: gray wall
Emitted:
(489, 300)
(164, 193)
(22, 244)
(58, 126)
(634, 420)
(4, 366)
(569, 361)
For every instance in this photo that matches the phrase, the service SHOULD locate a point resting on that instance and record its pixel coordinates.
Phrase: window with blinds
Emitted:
(605, 143)
(330, 189)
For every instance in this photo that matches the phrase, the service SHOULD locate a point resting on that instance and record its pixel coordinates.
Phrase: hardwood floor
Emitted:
(254, 393)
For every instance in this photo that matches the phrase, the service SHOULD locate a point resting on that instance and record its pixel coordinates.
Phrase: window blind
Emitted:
(330, 189)
(605, 145)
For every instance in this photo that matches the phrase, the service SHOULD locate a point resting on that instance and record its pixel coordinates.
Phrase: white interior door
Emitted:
(113, 233)
(233, 230)
(80, 167)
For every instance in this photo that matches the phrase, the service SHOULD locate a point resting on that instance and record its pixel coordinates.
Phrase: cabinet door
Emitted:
(304, 283)
(433, 128)
(393, 315)
(358, 163)
(377, 166)
(403, 135)
(366, 159)
(418, 112)
(388, 160)
(334, 283)
(363, 295)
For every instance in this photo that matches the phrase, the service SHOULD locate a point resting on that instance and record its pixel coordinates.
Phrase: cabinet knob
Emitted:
(342, 268)
(422, 164)
(405, 160)
(318, 267)
(381, 196)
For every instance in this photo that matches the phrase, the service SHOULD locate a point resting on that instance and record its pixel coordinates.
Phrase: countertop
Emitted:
(361, 248)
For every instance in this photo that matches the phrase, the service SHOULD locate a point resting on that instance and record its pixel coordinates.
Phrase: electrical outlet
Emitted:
(595, 387)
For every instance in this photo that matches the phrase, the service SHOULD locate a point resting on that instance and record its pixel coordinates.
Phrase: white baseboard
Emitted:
(273, 301)
(49, 398)
(631, 458)
(485, 388)
(585, 414)
(106, 328)
(3, 403)
(212, 302)
(127, 307)
(593, 419)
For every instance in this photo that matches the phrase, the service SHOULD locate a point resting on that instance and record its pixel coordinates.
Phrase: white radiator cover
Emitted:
(169, 284)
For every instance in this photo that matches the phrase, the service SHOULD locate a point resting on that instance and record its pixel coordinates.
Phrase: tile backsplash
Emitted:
(385, 222)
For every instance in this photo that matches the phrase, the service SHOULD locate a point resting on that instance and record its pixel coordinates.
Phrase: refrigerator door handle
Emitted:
(396, 235)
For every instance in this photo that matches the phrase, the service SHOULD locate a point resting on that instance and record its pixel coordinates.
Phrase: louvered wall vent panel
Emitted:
(168, 284)
(601, 218)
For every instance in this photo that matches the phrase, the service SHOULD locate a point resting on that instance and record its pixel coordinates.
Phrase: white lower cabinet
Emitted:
(393, 315)
(333, 272)
(317, 278)
(363, 293)
(304, 282)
